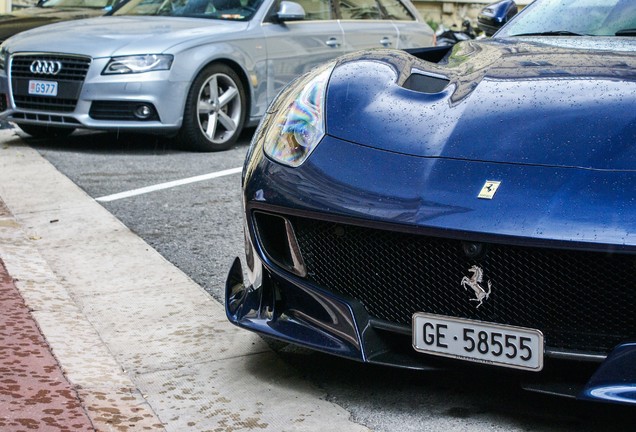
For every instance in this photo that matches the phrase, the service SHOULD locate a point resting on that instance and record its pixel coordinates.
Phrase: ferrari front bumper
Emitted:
(285, 307)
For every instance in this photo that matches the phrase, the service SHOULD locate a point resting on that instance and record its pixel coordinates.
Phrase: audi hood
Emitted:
(504, 101)
(109, 35)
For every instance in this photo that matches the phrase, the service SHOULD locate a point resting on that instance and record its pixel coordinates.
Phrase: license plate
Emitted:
(478, 341)
(43, 88)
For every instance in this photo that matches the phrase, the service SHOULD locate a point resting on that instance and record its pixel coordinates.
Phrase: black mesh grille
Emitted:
(73, 68)
(580, 300)
(45, 103)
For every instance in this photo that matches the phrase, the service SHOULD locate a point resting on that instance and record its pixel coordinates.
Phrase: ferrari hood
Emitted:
(531, 102)
(112, 35)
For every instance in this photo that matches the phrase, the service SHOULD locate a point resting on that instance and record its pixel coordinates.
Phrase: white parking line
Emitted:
(167, 185)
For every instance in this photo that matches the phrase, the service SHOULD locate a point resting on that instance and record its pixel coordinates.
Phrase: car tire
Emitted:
(37, 131)
(214, 111)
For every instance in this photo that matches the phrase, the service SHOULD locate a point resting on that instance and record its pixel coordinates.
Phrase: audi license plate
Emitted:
(478, 341)
(43, 88)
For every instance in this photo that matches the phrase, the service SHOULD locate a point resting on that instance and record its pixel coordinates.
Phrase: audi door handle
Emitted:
(333, 42)
(386, 42)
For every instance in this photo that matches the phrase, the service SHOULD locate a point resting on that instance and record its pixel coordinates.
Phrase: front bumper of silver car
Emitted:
(147, 102)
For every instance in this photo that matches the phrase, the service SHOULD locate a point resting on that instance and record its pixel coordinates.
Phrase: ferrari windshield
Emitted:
(574, 18)
(239, 10)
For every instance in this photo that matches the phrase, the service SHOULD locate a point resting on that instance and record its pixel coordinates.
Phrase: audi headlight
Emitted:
(296, 122)
(138, 64)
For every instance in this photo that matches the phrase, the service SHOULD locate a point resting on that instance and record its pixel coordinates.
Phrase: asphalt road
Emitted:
(198, 227)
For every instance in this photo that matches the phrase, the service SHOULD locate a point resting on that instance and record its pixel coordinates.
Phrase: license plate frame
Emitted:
(43, 88)
(516, 347)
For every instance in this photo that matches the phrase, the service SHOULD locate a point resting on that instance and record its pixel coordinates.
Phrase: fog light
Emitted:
(143, 112)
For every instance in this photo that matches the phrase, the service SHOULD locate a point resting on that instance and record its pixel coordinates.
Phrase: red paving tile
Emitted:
(34, 394)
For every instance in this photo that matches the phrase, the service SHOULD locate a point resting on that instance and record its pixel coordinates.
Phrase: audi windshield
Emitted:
(237, 10)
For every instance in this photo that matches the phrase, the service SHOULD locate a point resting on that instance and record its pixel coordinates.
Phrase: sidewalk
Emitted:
(140, 345)
(34, 394)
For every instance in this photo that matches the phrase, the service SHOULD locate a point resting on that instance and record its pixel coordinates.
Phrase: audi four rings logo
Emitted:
(45, 67)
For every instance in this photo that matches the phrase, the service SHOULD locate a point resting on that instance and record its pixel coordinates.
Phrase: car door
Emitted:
(295, 47)
(365, 25)
(382, 24)
(412, 31)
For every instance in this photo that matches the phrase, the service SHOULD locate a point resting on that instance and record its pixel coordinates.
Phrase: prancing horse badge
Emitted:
(489, 189)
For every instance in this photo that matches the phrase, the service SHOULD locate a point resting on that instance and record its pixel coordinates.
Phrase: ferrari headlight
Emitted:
(297, 123)
(138, 64)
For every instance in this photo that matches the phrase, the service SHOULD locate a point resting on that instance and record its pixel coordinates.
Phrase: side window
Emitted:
(360, 10)
(316, 9)
(395, 10)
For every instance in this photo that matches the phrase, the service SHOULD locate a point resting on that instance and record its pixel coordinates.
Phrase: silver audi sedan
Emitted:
(198, 70)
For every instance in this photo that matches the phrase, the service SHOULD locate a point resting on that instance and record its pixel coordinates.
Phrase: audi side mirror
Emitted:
(290, 11)
(494, 16)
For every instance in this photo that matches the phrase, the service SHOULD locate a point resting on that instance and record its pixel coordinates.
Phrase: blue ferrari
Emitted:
(472, 205)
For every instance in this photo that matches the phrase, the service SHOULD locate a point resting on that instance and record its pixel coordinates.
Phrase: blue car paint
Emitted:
(518, 99)
(541, 204)
(615, 379)
(420, 161)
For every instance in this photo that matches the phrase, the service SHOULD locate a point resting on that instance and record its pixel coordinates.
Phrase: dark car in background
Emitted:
(471, 206)
(49, 12)
(494, 16)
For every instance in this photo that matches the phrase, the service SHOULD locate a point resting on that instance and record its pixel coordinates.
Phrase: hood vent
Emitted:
(425, 83)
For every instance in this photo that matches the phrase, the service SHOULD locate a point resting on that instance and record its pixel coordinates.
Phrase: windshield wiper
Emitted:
(626, 32)
(551, 33)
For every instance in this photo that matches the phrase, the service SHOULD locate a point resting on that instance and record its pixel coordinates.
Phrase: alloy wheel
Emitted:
(219, 108)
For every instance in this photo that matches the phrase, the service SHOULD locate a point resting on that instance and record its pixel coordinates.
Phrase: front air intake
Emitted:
(277, 237)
